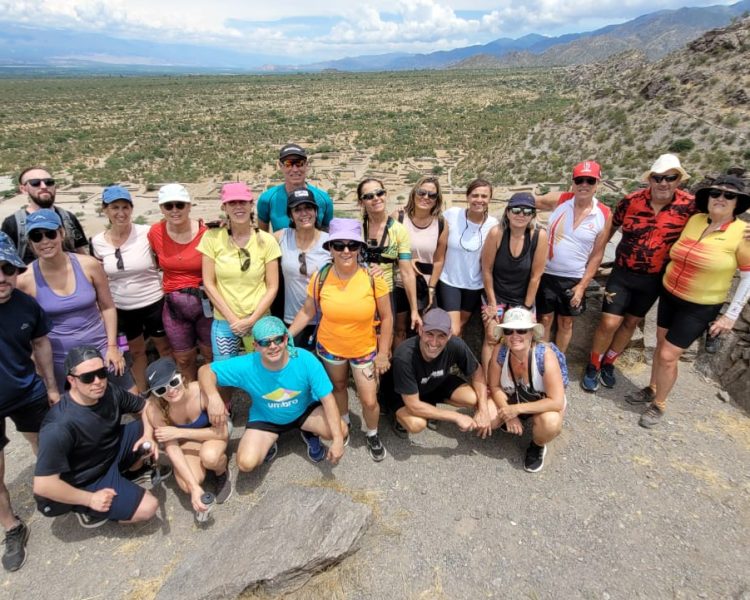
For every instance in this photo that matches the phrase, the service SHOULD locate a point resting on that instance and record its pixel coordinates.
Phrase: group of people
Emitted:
(384, 298)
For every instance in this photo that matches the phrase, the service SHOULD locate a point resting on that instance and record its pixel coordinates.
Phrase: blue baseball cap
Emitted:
(8, 252)
(44, 218)
(522, 199)
(116, 192)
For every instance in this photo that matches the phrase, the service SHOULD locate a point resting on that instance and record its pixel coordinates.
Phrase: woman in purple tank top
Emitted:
(73, 291)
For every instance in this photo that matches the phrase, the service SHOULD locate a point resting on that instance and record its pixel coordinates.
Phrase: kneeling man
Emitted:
(421, 370)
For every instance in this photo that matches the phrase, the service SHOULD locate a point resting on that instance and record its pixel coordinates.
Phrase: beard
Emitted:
(46, 202)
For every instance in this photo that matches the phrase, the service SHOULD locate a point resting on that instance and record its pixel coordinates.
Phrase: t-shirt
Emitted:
(272, 203)
(181, 264)
(75, 236)
(646, 236)
(462, 267)
(277, 396)
(80, 442)
(570, 249)
(412, 374)
(397, 246)
(138, 284)
(21, 321)
(701, 270)
(241, 290)
(295, 283)
(347, 324)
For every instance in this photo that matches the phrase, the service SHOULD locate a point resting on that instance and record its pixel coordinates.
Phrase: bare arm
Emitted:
(217, 411)
(333, 418)
(303, 317)
(438, 259)
(489, 251)
(547, 201)
(409, 277)
(482, 414)
(41, 350)
(54, 488)
(597, 253)
(383, 360)
(98, 278)
(537, 267)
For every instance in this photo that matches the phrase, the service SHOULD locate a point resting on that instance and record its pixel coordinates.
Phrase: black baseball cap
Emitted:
(292, 150)
(80, 354)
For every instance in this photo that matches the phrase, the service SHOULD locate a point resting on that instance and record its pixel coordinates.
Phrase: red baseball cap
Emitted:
(588, 168)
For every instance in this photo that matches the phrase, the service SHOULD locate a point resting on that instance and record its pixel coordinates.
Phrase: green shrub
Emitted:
(682, 145)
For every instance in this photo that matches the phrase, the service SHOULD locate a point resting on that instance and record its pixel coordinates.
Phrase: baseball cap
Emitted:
(522, 199)
(173, 192)
(44, 218)
(232, 192)
(292, 150)
(160, 372)
(8, 252)
(436, 319)
(300, 196)
(588, 168)
(116, 192)
(79, 354)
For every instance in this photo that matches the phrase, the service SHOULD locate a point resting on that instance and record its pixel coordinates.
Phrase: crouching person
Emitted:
(527, 381)
(85, 453)
(289, 389)
(422, 374)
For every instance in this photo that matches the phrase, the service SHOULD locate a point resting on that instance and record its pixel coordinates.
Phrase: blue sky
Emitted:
(303, 31)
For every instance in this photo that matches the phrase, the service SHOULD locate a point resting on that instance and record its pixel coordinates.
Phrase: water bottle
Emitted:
(208, 499)
(144, 449)
(122, 342)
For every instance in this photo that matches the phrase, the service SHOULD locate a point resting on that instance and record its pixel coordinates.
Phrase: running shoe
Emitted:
(15, 546)
(315, 450)
(642, 396)
(223, 487)
(271, 454)
(375, 447)
(651, 417)
(590, 380)
(534, 460)
(89, 521)
(607, 375)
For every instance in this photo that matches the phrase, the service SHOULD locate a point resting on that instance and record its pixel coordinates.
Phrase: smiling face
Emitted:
(662, 189)
(518, 340)
(373, 197)
(425, 196)
(46, 247)
(720, 208)
(303, 216)
(239, 211)
(273, 351)
(432, 343)
(294, 169)
(478, 200)
(584, 188)
(7, 282)
(176, 212)
(119, 212)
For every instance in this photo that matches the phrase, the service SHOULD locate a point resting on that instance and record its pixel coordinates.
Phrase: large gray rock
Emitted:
(291, 534)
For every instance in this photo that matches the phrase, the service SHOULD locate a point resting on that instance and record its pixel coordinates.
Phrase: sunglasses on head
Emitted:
(244, 259)
(518, 331)
(339, 246)
(37, 235)
(278, 340)
(118, 256)
(582, 180)
(720, 193)
(372, 195)
(526, 211)
(89, 376)
(660, 178)
(302, 264)
(8, 269)
(47, 181)
(162, 390)
(294, 162)
(174, 205)
(425, 193)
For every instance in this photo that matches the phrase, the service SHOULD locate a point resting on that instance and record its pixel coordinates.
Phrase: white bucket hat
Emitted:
(173, 192)
(520, 318)
(666, 162)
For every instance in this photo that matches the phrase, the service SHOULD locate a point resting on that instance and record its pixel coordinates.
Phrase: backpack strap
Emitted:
(20, 216)
(561, 360)
(400, 215)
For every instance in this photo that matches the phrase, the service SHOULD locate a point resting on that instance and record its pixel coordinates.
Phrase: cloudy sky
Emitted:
(302, 31)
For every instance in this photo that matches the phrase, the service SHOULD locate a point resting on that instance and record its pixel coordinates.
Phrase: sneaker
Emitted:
(712, 344)
(651, 416)
(607, 375)
(90, 521)
(433, 424)
(315, 450)
(399, 429)
(271, 454)
(15, 546)
(642, 396)
(590, 381)
(375, 447)
(159, 474)
(534, 460)
(223, 488)
(140, 476)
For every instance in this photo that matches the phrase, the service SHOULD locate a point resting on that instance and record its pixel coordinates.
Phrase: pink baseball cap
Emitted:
(238, 191)
(588, 168)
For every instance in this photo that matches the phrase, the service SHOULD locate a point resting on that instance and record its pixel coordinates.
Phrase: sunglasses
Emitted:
(516, 331)
(162, 390)
(720, 193)
(582, 180)
(118, 256)
(294, 162)
(174, 205)
(372, 195)
(660, 178)
(425, 193)
(89, 377)
(266, 343)
(48, 182)
(522, 210)
(302, 264)
(244, 259)
(341, 246)
(37, 235)
(8, 269)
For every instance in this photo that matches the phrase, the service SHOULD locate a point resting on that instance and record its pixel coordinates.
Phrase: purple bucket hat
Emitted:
(344, 229)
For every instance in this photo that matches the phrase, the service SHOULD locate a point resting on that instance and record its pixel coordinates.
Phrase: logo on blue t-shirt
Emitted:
(282, 396)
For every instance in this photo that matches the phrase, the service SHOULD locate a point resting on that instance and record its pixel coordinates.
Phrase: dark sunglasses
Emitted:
(430, 195)
(518, 331)
(302, 264)
(660, 178)
(582, 180)
(48, 181)
(341, 246)
(118, 256)
(372, 195)
(720, 193)
(174, 205)
(244, 259)
(163, 389)
(37, 235)
(89, 377)
(294, 162)
(278, 340)
(526, 211)
(8, 269)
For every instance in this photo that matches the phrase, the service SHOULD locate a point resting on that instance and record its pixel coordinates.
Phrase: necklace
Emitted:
(466, 227)
(429, 223)
(520, 361)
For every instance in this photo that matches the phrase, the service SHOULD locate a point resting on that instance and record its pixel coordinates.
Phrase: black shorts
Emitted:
(400, 300)
(453, 299)
(685, 321)
(631, 293)
(551, 298)
(440, 395)
(280, 428)
(145, 321)
(27, 418)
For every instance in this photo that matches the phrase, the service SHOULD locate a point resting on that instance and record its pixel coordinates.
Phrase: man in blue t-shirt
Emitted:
(289, 389)
(24, 396)
(272, 204)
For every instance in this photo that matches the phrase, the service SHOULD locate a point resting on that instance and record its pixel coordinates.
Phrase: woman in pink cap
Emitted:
(240, 272)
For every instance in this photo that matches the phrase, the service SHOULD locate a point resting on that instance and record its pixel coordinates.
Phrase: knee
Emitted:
(667, 357)
(247, 462)
(210, 457)
(548, 424)
(565, 323)
(146, 509)
(340, 385)
(630, 322)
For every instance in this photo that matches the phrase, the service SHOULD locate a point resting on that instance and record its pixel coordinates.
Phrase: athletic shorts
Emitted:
(551, 298)
(146, 321)
(305, 339)
(361, 362)
(280, 428)
(225, 343)
(631, 293)
(441, 395)
(27, 418)
(184, 322)
(685, 321)
(452, 299)
(400, 301)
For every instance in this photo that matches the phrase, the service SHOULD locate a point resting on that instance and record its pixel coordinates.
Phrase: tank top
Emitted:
(295, 283)
(200, 422)
(511, 275)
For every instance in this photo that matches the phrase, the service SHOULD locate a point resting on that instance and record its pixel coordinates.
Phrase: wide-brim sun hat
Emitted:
(174, 192)
(520, 318)
(663, 164)
(344, 229)
(727, 183)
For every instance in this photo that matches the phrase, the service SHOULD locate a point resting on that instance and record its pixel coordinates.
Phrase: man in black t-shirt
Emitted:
(422, 373)
(83, 448)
